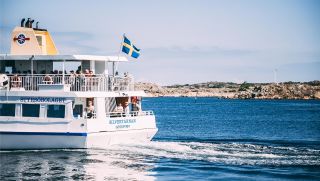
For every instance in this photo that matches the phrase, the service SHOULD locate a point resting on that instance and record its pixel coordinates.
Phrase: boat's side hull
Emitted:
(41, 140)
(20, 140)
(105, 139)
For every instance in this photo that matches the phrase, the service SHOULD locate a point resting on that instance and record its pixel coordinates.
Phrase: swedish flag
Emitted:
(129, 48)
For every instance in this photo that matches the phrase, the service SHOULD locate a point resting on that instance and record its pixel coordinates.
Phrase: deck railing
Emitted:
(121, 83)
(131, 114)
(76, 83)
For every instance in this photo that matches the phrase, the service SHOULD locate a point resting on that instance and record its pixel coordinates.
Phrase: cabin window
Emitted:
(39, 38)
(55, 111)
(7, 109)
(30, 110)
(78, 110)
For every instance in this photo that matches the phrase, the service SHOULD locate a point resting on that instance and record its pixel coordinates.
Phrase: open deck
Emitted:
(74, 82)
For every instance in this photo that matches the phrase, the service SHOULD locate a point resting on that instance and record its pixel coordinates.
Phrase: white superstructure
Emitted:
(41, 108)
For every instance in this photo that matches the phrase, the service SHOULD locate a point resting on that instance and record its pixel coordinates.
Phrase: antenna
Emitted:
(275, 71)
(22, 22)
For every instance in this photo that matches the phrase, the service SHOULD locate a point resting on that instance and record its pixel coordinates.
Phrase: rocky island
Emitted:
(283, 90)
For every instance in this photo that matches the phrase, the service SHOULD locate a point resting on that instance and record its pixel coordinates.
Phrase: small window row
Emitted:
(33, 110)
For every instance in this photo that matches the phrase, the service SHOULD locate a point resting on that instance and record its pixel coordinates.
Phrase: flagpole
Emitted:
(113, 63)
(121, 45)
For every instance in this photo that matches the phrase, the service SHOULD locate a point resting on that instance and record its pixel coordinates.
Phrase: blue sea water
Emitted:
(198, 139)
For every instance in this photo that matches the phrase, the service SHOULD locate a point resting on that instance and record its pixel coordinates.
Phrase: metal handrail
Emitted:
(130, 114)
(93, 116)
(77, 83)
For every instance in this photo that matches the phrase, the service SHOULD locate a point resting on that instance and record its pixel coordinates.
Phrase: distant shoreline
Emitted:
(228, 90)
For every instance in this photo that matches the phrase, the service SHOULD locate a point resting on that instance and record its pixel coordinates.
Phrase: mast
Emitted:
(114, 67)
(275, 76)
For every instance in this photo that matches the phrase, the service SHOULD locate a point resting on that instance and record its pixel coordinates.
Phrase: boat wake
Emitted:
(226, 153)
(146, 161)
(234, 153)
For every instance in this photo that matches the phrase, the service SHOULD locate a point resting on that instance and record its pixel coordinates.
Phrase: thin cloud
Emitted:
(74, 42)
(181, 52)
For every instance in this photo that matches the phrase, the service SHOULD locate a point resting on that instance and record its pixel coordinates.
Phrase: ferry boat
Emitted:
(91, 107)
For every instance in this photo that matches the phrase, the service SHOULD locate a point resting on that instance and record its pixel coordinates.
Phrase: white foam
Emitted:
(230, 153)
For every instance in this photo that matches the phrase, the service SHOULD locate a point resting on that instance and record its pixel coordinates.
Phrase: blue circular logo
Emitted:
(21, 39)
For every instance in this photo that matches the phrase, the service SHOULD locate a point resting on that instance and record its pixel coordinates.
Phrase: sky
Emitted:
(184, 41)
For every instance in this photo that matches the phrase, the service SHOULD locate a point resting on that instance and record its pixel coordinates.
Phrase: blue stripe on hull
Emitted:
(43, 133)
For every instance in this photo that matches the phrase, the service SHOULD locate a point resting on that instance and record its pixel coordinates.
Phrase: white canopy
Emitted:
(64, 58)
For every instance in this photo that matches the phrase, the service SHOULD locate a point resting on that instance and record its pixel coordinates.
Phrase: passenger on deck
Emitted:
(47, 79)
(86, 72)
(80, 81)
(88, 80)
(91, 73)
(90, 109)
(16, 81)
(119, 108)
(72, 80)
(77, 83)
(126, 108)
(136, 107)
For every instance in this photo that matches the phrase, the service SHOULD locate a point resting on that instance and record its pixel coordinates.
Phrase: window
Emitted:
(7, 109)
(30, 110)
(56, 111)
(39, 38)
(77, 110)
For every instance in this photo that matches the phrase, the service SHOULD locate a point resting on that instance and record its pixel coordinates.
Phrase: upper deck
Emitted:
(35, 73)
(69, 82)
(35, 64)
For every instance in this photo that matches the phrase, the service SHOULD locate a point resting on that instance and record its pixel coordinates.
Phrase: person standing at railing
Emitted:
(91, 81)
(90, 109)
(86, 72)
(127, 82)
(126, 108)
(87, 80)
(123, 81)
(136, 107)
(77, 83)
(81, 81)
(72, 80)
(47, 79)
(119, 109)
(16, 81)
(116, 81)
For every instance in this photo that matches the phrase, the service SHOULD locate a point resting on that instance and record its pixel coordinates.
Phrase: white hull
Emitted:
(69, 140)
(18, 133)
